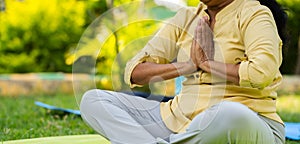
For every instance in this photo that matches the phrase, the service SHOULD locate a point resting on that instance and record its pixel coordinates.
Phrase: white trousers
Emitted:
(126, 119)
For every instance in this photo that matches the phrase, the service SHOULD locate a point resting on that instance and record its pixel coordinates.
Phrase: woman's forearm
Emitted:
(147, 72)
(227, 71)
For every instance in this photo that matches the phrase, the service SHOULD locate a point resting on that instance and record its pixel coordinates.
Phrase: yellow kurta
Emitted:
(245, 32)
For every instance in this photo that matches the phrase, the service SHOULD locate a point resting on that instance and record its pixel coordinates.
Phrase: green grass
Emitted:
(20, 118)
(288, 107)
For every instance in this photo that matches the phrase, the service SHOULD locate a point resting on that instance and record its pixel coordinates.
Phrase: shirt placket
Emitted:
(197, 77)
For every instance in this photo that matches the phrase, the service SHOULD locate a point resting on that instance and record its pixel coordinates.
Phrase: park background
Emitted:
(43, 44)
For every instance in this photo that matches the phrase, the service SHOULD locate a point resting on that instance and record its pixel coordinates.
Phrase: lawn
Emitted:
(21, 119)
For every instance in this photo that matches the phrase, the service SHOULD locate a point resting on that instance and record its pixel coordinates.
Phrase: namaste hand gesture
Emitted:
(202, 48)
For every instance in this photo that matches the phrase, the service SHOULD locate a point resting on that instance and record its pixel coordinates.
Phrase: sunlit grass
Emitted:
(288, 107)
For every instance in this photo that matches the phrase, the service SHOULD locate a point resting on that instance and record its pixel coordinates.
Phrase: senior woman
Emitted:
(229, 52)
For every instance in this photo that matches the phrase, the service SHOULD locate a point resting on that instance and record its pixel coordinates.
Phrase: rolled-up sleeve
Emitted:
(262, 49)
(162, 48)
(140, 58)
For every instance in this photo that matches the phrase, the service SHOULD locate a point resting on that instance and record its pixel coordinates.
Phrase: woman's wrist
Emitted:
(205, 66)
(190, 67)
(184, 68)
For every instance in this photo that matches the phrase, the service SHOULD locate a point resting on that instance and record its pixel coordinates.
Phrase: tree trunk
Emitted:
(110, 5)
(298, 59)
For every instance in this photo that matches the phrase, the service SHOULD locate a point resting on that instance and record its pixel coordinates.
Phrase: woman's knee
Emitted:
(89, 96)
(235, 112)
(93, 98)
(86, 100)
(233, 108)
(229, 119)
(97, 95)
(228, 114)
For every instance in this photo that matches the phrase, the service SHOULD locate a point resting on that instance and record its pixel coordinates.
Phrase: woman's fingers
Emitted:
(206, 39)
(202, 47)
(192, 53)
(197, 45)
(206, 19)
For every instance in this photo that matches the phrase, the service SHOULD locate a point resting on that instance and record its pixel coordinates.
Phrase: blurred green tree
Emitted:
(35, 35)
(109, 39)
(42, 36)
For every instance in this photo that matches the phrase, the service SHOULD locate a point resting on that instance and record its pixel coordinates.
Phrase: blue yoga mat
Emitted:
(54, 108)
(292, 130)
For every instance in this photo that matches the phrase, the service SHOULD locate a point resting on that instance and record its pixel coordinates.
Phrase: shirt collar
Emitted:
(229, 8)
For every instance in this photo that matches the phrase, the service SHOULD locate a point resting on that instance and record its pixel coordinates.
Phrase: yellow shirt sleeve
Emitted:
(162, 48)
(262, 49)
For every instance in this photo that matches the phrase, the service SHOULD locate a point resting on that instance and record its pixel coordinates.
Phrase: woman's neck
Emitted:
(213, 10)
